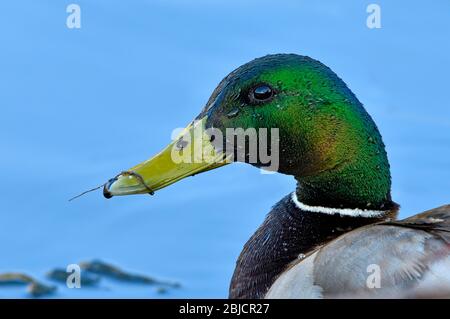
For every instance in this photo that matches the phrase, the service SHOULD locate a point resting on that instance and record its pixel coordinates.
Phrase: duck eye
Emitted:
(262, 92)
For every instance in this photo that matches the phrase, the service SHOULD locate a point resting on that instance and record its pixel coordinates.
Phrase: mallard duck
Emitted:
(336, 235)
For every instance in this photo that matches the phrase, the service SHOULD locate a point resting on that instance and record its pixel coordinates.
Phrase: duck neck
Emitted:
(289, 231)
(351, 191)
(361, 181)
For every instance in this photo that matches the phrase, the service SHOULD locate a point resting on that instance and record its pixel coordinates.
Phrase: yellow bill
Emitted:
(192, 152)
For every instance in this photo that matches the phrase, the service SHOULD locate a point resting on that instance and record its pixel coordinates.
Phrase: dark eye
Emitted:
(261, 93)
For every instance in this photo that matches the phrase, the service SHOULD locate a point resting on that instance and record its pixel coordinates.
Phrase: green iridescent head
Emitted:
(326, 138)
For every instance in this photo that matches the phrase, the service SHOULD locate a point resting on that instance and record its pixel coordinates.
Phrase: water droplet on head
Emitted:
(233, 113)
(181, 144)
(301, 256)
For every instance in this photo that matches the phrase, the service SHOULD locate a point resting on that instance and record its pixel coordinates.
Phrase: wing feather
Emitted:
(412, 257)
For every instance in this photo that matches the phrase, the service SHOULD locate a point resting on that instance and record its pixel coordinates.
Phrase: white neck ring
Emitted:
(352, 212)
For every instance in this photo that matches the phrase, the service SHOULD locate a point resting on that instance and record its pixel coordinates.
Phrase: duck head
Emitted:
(286, 113)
